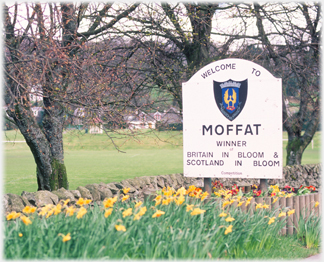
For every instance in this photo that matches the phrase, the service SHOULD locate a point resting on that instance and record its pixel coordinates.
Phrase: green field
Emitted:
(94, 158)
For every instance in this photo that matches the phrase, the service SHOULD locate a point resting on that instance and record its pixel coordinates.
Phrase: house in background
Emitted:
(36, 94)
(96, 126)
(155, 120)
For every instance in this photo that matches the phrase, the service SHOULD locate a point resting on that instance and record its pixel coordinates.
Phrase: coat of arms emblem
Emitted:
(230, 97)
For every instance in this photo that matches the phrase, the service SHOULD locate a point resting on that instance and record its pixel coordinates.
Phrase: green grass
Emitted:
(94, 158)
(175, 235)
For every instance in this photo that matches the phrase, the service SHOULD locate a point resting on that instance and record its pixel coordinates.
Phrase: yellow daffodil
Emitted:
(26, 220)
(227, 196)
(228, 229)
(240, 203)
(225, 203)
(158, 213)
(20, 234)
(229, 219)
(108, 212)
(70, 210)
(189, 207)
(265, 206)
(127, 212)
(181, 191)
(289, 195)
(197, 211)
(13, 215)
(258, 206)
(222, 214)
(125, 198)
(290, 212)
(179, 200)
(49, 213)
(204, 195)
(282, 214)
(248, 201)
(109, 202)
(126, 190)
(275, 200)
(66, 202)
(271, 220)
(138, 204)
(191, 189)
(167, 201)
(45, 209)
(238, 198)
(120, 228)
(275, 188)
(82, 211)
(57, 209)
(82, 201)
(142, 211)
(28, 209)
(65, 238)
(168, 192)
(158, 198)
(316, 204)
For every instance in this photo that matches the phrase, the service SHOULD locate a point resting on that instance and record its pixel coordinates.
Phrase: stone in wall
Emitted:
(84, 192)
(64, 194)
(145, 187)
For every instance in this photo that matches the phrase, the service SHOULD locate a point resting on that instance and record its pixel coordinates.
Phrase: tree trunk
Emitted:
(53, 130)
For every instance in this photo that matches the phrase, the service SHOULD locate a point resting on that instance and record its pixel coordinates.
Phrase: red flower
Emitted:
(310, 188)
(257, 193)
(289, 188)
(273, 194)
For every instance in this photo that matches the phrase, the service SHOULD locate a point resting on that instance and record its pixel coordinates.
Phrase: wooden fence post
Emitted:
(251, 207)
(297, 212)
(258, 200)
(307, 205)
(275, 207)
(267, 200)
(312, 203)
(289, 203)
(302, 206)
(282, 204)
(317, 198)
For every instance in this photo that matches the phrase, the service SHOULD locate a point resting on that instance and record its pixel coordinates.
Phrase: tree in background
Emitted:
(48, 49)
(296, 60)
(284, 38)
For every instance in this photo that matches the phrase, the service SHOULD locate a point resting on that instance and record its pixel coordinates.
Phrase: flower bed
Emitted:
(183, 223)
(304, 200)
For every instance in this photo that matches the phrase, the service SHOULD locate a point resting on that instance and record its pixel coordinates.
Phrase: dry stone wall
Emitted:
(141, 187)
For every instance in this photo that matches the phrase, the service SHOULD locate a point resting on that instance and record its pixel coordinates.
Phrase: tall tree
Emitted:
(48, 50)
(298, 58)
(284, 38)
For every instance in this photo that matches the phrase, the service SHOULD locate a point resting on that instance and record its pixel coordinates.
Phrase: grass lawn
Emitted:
(94, 159)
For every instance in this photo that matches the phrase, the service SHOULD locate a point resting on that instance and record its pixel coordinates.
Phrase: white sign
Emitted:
(232, 122)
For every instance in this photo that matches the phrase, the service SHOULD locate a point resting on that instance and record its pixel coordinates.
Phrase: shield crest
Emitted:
(230, 97)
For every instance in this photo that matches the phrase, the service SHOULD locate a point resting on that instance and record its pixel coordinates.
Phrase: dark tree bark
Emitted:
(302, 59)
(54, 63)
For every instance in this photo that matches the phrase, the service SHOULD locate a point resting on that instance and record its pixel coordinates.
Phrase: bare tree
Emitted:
(297, 58)
(48, 50)
(284, 38)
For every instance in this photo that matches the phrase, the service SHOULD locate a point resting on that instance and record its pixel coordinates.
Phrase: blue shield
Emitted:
(230, 97)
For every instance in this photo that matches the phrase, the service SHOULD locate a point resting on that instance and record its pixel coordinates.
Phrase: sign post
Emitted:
(232, 122)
